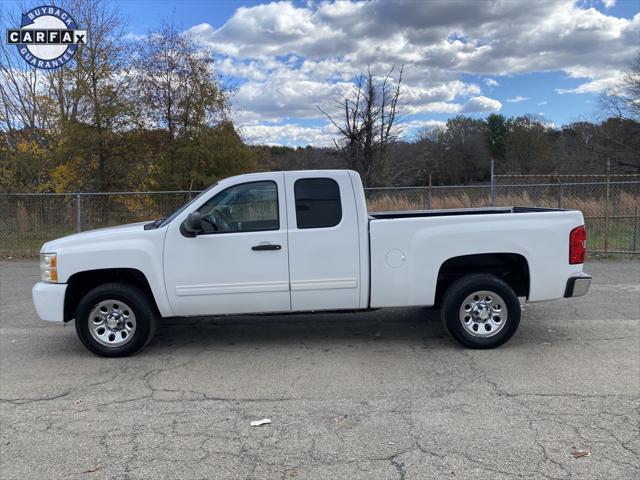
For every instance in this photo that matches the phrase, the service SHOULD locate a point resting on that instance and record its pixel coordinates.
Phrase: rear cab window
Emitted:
(317, 203)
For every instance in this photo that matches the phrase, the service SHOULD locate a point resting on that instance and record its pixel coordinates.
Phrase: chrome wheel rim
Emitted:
(483, 314)
(112, 323)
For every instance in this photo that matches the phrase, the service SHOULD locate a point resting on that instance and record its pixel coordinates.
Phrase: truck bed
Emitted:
(408, 249)
(446, 212)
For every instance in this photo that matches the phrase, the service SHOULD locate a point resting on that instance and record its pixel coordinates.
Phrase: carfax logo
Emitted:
(48, 37)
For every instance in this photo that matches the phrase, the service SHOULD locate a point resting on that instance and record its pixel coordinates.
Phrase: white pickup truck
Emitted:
(304, 241)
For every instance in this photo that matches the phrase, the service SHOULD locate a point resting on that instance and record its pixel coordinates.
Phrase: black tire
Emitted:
(136, 300)
(459, 291)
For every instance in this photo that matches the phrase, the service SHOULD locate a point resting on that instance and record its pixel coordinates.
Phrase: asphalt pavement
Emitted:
(377, 395)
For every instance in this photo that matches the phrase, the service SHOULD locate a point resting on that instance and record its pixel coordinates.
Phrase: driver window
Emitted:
(248, 207)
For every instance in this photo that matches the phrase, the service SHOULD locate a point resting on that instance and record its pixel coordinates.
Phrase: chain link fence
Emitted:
(610, 205)
(29, 220)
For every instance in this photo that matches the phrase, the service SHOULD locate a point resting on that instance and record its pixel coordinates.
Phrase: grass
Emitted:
(624, 204)
(619, 233)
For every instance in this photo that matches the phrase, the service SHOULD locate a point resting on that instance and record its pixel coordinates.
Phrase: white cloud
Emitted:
(416, 124)
(436, 107)
(542, 103)
(490, 37)
(136, 37)
(289, 134)
(437, 98)
(274, 92)
(280, 97)
(481, 105)
(292, 135)
(594, 86)
(291, 56)
(517, 99)
(608, 3)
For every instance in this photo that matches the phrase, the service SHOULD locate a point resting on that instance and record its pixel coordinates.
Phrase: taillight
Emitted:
(577, 245)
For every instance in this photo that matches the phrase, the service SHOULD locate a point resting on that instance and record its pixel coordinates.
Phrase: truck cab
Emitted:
(271, 242)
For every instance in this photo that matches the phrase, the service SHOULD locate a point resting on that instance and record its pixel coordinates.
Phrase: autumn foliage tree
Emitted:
(122, 115)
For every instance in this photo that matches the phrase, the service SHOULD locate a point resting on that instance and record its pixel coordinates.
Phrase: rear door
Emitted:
(324, 260)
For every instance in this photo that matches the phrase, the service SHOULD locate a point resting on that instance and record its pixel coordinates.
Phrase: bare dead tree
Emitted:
(622, 101)
(23, 104)
(370, 122)
(618, 136)
(18, 93)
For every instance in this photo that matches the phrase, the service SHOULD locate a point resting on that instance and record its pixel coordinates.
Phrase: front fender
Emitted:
(126, 251)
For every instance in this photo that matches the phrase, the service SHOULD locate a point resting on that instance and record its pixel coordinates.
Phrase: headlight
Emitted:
(49, 267)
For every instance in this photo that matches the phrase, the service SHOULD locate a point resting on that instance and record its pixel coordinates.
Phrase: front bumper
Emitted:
(578, 285)
(48, 299)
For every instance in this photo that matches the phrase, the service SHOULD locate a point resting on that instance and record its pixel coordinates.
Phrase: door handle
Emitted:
(266, 246)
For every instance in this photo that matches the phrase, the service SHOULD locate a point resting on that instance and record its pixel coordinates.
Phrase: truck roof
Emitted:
(319, 172)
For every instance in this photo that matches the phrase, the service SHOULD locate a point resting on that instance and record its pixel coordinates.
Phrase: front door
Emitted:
(238, 264)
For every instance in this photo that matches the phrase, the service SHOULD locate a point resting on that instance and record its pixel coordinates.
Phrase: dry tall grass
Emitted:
(622, 204)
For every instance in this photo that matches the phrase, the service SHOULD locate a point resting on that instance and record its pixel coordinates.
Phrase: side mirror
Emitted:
(192, 226)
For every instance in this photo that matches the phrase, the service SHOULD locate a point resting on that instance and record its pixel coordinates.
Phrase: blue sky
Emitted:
(475, 57)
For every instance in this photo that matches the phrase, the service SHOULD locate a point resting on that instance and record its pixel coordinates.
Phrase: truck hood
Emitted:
(93, 236)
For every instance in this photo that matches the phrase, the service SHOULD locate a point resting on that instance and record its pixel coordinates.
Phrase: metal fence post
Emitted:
(606, 207)
(78, 212)
(493, 184)
(634, 234)
(429, 195)
(559, 193)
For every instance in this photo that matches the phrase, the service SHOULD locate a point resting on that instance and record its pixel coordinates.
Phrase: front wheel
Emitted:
(115, 320)
(480, 311)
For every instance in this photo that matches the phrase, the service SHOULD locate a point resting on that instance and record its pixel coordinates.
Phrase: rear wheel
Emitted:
(480, 311)
(115, 320)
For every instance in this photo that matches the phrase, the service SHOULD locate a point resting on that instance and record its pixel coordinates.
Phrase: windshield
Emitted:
(177, 212)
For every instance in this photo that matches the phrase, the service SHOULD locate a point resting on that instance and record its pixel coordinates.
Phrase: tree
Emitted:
(182, 93)
(95, 87)
(25, 106)
(462, 155)
(429, 133)
(100, 94)
(180, 88)
(496, 135)
(74, 113)
(618, 137)
(527, 146)
(370, 122)
(622, 101)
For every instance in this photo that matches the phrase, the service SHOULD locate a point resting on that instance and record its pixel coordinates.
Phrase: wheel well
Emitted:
(81, 283)
(510, 267)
